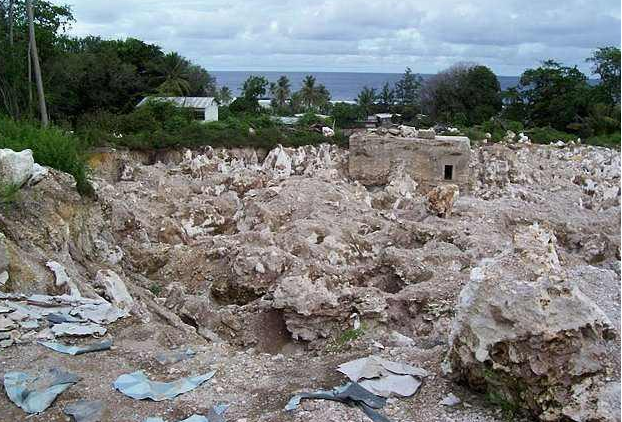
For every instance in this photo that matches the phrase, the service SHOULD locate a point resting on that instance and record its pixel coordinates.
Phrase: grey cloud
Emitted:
(353, 35)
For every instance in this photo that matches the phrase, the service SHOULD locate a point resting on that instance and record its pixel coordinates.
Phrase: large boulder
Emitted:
(16, 167)
(525, 334)
(441, 199)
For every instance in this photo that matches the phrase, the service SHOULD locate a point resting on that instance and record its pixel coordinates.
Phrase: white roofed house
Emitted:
(204, 108)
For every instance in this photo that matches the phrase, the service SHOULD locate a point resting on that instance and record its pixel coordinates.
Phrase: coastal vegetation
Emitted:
(92, 87)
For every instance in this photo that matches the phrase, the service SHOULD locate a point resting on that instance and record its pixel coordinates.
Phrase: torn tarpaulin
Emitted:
(383, 377)
(214, 415)
(351, 394)
(137, 386)
(85, 410)
(34, 394)
(77, 350)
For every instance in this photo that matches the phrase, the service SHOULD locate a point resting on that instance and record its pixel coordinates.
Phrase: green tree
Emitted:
(312, 97)
(346, 115)
(366, 99)
(50, 22)
(386, 96)
(606, 64)
(254, 87)
(308, 92)
(407, 89)
(554, 95)
(224, 96)
(465, 94)
(281, 91)
(174, 74)
(200, 82)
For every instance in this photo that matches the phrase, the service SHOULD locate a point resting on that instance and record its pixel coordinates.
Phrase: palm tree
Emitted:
(224, 96)
(281, 91)
(308, 92)
(386, 96)
(366, 98)
(174, 72)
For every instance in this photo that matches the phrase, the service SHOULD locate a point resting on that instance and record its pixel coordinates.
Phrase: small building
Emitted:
(204, 108)
(430, 162)
(380, 120)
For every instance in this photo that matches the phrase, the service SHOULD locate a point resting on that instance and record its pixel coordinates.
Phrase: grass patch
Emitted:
(348, 336)
(50, 147)
(9, 193)
(611, 140)
(156, 289)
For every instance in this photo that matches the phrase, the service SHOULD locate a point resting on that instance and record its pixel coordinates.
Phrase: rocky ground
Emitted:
(276, 267)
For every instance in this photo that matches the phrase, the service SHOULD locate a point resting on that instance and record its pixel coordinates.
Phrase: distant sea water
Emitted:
(342, 85)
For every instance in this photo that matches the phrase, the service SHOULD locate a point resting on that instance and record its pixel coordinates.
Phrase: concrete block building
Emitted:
(430, 162)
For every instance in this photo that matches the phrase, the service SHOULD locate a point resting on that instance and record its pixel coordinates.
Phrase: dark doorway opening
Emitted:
(449, 172)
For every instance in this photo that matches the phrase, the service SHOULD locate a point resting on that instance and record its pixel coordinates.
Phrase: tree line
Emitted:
(75, 78)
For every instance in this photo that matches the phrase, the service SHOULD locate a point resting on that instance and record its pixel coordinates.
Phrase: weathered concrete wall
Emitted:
(373, 157)
(211, 113)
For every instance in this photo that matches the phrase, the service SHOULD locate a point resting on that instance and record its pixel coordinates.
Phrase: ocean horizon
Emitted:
(344, 86)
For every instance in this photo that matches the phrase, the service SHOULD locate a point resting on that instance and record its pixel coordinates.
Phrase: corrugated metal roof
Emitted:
(190, 102)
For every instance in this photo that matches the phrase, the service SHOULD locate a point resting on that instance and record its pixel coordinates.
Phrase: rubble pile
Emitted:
(275, 267)
(25, 319)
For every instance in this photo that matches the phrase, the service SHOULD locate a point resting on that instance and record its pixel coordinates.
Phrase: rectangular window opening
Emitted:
(449, 172)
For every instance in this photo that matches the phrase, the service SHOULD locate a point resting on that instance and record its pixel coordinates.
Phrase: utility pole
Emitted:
(37, 68)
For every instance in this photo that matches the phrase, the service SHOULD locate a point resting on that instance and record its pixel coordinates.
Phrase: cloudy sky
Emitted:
(361, 36)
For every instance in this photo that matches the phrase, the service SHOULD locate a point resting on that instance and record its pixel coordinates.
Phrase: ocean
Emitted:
(342, 85)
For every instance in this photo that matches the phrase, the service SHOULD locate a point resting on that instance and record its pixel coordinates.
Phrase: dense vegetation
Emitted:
(91, 87)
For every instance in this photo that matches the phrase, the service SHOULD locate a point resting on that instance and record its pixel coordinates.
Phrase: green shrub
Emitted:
(499, 127)
(611, 140)
(50, 147)
(310, 118)
(156, 289)
(474, 134)
(546, 135)
(244, 105)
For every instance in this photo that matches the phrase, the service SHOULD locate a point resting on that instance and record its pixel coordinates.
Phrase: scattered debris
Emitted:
(68, 316)
(85, 410)
(115, 289)
(167, 358)
(35, 393)
(62, 279)
(214, 415)
(398, 339)
(450, 400)
(384, 378)
(351, 394)
(137, 386)
(77, 329)
(77, 350)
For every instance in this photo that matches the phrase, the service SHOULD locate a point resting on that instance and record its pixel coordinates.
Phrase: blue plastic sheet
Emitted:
(34, 394)
(85, 410)
(351, 394)
(214, 415)
(77, 350)
(137, 386)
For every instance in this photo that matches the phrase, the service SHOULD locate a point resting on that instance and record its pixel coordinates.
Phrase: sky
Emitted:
(382, 36)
